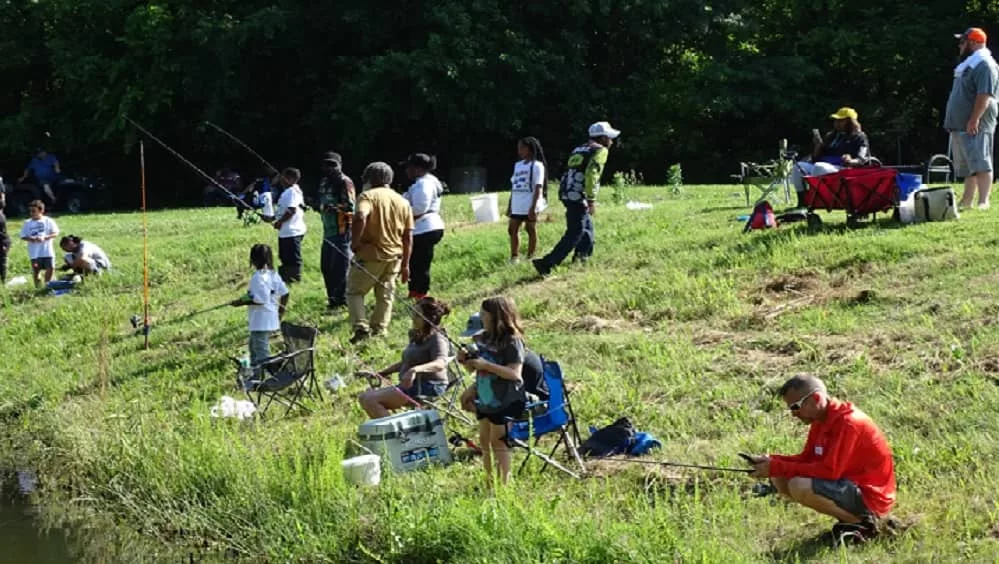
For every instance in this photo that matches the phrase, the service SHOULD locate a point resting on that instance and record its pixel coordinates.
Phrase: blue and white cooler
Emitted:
(409, 440)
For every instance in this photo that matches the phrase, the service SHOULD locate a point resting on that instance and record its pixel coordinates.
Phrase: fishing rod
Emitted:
(674, 464)
(243, 145)
(192, 166)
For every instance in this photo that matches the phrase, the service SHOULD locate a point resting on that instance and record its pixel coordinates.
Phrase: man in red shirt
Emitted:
(846, 469)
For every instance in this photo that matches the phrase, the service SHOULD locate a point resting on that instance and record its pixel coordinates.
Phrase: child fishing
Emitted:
(499, 386)
(266, 299)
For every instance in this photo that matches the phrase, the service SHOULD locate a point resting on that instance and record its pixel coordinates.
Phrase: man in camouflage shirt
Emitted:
(336, 205)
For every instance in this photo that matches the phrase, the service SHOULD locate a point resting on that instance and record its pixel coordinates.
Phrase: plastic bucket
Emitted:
(364, 470)
(486, 208)
(907, 184)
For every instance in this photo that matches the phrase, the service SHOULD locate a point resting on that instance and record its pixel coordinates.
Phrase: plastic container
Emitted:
(907, 209)
(486, 208)
(409, 440)
(364, 470)
(907, 184)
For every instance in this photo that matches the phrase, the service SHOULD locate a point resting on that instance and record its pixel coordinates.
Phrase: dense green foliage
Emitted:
(680, 322)
(700, 82)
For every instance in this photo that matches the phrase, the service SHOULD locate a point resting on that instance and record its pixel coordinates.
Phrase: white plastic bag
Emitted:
(228, 407)
(633, 205)
(17, 281)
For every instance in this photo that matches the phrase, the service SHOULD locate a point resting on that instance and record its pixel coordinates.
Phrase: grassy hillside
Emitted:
(680, 322)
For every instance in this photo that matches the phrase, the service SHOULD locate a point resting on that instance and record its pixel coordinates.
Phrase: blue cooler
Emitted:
(907, 184)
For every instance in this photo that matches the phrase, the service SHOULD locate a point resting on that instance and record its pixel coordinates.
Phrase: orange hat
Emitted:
(973, 34)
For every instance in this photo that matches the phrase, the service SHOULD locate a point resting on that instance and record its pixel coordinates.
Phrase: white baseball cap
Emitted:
(602, 128)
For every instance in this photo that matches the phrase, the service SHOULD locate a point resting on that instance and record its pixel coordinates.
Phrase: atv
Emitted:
(73, 194)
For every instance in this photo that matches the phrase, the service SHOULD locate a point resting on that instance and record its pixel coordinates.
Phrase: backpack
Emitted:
(616, 438)
(761, 218)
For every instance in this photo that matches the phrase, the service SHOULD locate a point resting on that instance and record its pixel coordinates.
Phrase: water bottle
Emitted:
(334, 383)
(244, 368)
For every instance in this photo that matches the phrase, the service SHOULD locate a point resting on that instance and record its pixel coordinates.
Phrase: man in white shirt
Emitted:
(290, 223)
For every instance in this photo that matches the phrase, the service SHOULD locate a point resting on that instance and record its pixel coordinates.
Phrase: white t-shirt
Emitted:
(95, 257)
(526, 175)
(266, 202)
(266, 290)
(424, 196)
(291, 198)
(40, 228)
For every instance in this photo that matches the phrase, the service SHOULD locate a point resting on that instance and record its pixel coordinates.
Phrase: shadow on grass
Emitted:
(747, 209)
(804, 550)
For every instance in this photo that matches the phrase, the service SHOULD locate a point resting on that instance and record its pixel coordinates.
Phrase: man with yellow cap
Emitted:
(845, 146)
(971, 116)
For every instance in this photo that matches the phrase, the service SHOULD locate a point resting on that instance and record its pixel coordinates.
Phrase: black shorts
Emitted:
(41, 263)
(502, 417)
(521, 217)
(843, 493)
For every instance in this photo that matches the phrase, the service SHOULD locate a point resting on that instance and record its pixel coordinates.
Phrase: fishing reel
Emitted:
(471, 351)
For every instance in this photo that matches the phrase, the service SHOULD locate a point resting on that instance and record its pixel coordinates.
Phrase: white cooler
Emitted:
(409, 440)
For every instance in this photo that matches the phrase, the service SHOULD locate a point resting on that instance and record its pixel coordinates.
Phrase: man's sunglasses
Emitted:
(797, 405)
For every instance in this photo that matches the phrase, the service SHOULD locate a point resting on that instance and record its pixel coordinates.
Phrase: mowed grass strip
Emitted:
(680, 322)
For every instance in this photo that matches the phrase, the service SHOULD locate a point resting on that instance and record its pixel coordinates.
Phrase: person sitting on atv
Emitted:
(44, 168)
(228, 179)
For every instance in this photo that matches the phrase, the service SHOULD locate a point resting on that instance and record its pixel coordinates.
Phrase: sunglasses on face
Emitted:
(796, 406)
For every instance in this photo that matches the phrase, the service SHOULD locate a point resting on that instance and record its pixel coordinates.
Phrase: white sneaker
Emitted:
(984, 206)
(514, 260)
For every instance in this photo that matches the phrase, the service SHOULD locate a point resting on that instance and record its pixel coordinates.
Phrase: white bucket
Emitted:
(364, 470)
(486, 208)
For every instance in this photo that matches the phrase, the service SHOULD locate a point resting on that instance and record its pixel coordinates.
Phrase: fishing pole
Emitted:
(192, 166)
(145, 250)
(243, 145)
(674, 464)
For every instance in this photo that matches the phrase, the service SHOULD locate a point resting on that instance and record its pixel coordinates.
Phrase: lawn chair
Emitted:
(285, 377)
(769, 177)
(941, 165)
(449, 403)
(553, 416)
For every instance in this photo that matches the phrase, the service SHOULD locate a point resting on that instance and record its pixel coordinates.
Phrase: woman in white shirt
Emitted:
(527, 195)
(424, 195)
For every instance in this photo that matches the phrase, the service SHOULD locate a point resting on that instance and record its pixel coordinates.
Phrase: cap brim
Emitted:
(613, 134)
(471, 332)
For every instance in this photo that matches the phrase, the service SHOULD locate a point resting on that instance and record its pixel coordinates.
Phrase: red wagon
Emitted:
(859, 191)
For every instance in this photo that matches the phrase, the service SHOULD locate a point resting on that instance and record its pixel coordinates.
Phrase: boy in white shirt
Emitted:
(39, 231)
(267, 299)
(290, 223)
(526, 196)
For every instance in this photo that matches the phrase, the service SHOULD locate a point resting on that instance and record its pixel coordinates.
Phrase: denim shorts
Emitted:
(843, 493)
(41, 263)
(425, 390)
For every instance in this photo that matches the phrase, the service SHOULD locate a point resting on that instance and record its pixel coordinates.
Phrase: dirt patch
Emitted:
(801, 283)
(709, 337)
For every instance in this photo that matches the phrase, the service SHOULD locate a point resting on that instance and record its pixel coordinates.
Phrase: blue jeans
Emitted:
(260, 346)
(578, 238)
(334, 264)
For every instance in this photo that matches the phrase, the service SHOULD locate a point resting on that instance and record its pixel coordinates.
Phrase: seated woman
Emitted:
(423, 368)
(83, 257)
(845, 146)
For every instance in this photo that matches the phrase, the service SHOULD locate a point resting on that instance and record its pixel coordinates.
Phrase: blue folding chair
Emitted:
(551, 416)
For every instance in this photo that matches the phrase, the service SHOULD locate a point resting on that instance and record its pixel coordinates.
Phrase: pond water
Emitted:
(22, 536)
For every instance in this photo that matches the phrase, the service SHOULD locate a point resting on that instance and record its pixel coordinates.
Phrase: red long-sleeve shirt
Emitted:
(846, 445)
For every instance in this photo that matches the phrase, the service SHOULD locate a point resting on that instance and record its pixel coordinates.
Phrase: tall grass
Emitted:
(680, 322)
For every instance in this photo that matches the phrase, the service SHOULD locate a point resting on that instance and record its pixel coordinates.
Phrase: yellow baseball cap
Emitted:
(845, 113)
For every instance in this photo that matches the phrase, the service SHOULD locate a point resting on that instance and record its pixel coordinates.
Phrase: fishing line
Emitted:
(193, 167)
(243, 145)
(674, 464)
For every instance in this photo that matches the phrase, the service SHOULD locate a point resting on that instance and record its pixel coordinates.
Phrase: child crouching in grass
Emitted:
(267, 299)
(499, 387)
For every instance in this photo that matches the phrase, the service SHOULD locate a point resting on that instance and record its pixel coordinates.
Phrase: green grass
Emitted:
(680, 322)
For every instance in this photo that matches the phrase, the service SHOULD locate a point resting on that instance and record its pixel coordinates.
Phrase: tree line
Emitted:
(702, 83)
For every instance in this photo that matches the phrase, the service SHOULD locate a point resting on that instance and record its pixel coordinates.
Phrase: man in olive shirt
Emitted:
(382, 240)
(971, 116)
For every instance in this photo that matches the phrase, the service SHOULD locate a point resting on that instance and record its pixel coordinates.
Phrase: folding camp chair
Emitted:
(285, 377)
(941, 165)
(552, 416)
(768, 177)
(449, 402)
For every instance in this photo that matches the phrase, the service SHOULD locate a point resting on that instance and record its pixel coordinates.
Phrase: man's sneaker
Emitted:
(846, 534)
(359, 335)
(540, 267)
(335, 306)
(514, 260)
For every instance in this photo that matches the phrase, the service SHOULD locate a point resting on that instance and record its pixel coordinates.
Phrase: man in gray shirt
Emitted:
(971, 116)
